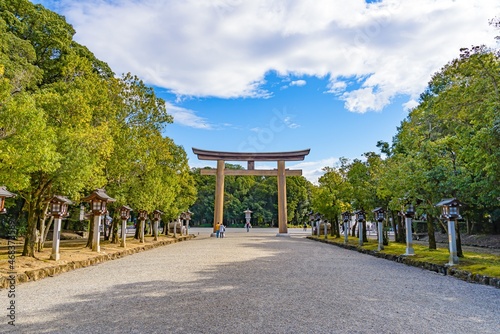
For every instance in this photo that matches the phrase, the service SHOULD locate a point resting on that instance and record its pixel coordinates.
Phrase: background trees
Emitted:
(257, 193)
(68, 125)
(448, 146)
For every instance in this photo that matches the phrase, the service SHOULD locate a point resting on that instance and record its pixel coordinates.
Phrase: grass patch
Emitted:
(475, 263)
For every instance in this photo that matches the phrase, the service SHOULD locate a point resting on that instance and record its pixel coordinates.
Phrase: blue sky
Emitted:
(280, 75)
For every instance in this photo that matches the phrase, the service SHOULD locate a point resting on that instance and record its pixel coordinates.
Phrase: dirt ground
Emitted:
(71, 250)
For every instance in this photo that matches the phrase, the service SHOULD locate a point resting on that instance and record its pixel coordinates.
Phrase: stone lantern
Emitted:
(98, 200)
(58, 210)
(380, 217)
(124, 215)
(451, 212)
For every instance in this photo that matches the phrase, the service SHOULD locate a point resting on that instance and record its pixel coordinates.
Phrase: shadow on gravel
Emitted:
(294, 286)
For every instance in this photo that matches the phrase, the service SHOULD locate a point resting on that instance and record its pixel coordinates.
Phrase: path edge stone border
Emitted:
(56, 269)
(440, 269)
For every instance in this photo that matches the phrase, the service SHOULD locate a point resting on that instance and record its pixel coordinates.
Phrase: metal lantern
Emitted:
(157, 215)
(125, 212)
(311, 216)
(4, 193)
(346, 216)
(59, 206)
(361, 215)
(143, 214)
(410, 211)
(98, 200)
(379, 214)
(450, 208)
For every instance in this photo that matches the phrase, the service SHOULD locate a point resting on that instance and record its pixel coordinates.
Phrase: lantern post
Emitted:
(380, 217)
(143, 215)
(311, 222)
(58, 209)
(317, 218)
(156, 220)
(124, 215)
(450, 212)
(346, 217)
(409, 213)
(360, 217)
(187, 217)
(98, 200)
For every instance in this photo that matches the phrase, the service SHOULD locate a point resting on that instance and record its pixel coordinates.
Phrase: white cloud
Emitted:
(313, 170)
(289, 123)
(224, 48)
(187, 117)
(298, 83)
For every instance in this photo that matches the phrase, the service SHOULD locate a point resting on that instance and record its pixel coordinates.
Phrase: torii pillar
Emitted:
(281, 173)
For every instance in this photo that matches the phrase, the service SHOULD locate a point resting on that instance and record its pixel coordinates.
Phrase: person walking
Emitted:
(222, 230)
(217, 230)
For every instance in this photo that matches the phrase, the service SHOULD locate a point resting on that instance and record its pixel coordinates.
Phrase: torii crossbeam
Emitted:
(281, 173)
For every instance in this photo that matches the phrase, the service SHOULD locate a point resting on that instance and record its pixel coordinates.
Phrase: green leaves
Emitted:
(68, 126)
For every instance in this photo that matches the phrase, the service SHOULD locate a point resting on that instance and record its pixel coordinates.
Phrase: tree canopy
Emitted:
(68, 125)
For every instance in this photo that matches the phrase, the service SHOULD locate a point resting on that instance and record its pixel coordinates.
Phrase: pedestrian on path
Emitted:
(217, 230)
(222, 230)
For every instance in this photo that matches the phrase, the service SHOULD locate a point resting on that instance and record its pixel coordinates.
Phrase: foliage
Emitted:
(68, 126)
(257, 193)
(448, 146)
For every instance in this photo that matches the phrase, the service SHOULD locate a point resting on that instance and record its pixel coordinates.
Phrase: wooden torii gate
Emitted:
(281, 173)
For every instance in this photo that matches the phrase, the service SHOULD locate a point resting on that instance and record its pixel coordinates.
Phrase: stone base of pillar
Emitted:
(283, 235)
(55, 257)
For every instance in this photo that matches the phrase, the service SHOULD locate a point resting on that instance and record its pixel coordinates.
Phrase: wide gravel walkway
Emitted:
(252, 283)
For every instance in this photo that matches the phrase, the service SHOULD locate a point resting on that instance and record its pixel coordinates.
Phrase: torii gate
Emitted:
(281, 173)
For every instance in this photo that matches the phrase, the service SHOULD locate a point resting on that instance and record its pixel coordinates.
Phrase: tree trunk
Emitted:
(105, 229)
(459, 240)
(385, 234)
(29, 241)
(90, 237)
(34, 213)
(353, 229)
(43, 230)
(165, 227)
(47, 228)
(394, 226)
(431, 232)
(400, 230)
(365, 235)
(115, 239)
(141, 230)
(137, 225)
(110, 230)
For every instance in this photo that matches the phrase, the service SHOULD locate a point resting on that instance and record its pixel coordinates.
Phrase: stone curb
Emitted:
(52, 270)
(441, 269)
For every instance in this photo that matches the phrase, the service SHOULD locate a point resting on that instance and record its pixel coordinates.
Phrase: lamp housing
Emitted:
(450, 208)
(4, 193)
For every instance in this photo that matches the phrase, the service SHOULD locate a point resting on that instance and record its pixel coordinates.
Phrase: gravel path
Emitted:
(252, 283)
